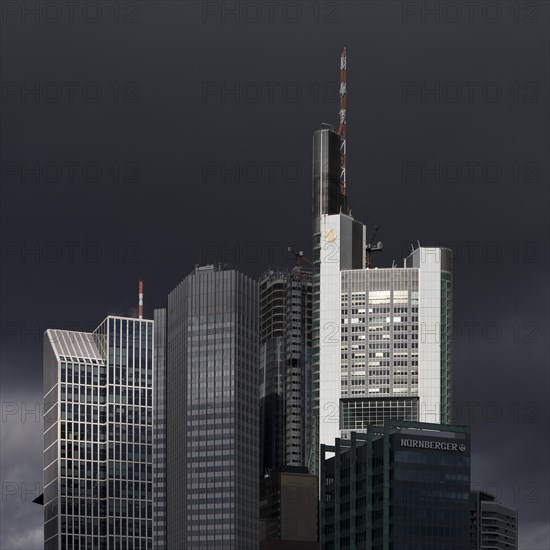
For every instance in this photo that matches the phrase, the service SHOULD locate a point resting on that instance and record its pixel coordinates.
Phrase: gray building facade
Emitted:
(493, 526)
(98, 436)
(396, 342)
(159, 432)
(285, 367)
(212, 411)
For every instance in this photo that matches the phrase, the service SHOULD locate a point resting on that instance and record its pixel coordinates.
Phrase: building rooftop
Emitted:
(69, 343)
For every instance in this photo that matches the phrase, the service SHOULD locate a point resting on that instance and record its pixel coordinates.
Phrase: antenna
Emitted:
(342, 127)
(140, 300)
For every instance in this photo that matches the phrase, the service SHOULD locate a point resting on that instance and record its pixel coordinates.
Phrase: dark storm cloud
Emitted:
(146, 137)
(21, 469)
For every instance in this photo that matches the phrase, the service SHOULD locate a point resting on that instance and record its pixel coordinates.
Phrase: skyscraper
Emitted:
(159, 432)
(396, 342)
(98, 436)
(212, 411)
(398, 486)
(338, 244)
(492, 524)
(381, 337)
(285, 367)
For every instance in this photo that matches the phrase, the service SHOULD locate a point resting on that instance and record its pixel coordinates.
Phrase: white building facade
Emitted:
(385, 338)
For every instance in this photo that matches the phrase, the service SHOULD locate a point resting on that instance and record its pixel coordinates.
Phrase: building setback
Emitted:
(402, 486)
(381, 337)
(212, 411)
(98, 436)
(396, 342)
(285, 367)
(494, 526)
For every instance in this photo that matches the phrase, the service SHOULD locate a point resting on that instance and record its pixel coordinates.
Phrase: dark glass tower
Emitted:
(98, 436)
(401, 486)
(285, 367)
(212, 430)
(326, 175)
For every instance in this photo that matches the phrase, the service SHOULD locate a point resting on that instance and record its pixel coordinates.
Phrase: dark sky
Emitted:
(167, 134)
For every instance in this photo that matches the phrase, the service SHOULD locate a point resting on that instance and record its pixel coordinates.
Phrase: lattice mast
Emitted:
(342, 127)
(140, 299)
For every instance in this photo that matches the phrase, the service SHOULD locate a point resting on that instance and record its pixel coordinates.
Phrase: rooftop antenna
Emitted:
(140, 300)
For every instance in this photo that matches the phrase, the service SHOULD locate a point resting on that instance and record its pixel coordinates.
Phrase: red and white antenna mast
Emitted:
(140, 302)
(342, 127)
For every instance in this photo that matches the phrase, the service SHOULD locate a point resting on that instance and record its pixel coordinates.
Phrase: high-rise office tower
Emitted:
(285, 367)
(381, 337)
(338, 243)
(159, 432)
(400, 485)
(212, 411)
(492, 524)
(98, 436)
(396, 342)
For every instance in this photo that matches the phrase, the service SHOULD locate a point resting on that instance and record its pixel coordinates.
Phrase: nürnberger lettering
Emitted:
(436, 445)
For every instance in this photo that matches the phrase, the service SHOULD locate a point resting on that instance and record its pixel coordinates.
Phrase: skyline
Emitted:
(384, 134)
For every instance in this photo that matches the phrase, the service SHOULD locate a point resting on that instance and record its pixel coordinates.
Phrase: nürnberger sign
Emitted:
(436, 445)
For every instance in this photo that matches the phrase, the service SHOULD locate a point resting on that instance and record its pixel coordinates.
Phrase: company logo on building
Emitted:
(330, 235)
(435, 445)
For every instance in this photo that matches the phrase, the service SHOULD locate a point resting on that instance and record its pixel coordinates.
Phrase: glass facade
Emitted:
(98, 437)
(159, 433)
(212, 411)
(402, 486)
(379, 343)
(382, 338)
(285, 368)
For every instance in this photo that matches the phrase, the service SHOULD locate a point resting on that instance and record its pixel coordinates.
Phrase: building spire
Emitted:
(140, 299)
(342, 126)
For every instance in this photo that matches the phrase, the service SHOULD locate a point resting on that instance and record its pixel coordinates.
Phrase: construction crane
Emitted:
(298, 256)
(373, 247)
